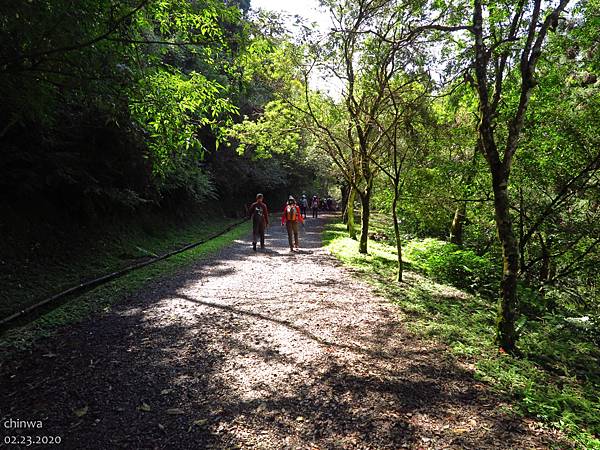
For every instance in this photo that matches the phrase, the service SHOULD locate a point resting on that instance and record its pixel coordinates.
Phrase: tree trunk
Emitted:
(365, 200)
(345, 191)
(456, 230)
(508, 308)
(545, 267)
(460, 215)
(397, 233)
(350, 213)
(547, 271)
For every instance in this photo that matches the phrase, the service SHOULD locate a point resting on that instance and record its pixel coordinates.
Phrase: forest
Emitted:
(461, 139)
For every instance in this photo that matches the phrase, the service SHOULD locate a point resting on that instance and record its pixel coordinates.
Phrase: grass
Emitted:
(564, 394)
(100, 299)
(41, 266)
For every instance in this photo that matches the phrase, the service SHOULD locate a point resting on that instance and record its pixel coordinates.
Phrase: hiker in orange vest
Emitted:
(291, 217)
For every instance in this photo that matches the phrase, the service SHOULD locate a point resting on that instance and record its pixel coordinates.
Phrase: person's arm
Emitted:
(266, 213)
(283, 217)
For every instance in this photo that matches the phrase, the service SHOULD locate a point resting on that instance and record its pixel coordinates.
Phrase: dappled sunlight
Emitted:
(250, 350)
(130, 312)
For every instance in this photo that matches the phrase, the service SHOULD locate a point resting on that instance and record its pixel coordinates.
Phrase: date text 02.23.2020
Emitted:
(29, 441)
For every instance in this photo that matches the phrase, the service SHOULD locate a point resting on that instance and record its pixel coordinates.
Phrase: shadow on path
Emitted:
(269, 350)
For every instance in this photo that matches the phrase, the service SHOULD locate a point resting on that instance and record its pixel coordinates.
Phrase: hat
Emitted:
(291, 197)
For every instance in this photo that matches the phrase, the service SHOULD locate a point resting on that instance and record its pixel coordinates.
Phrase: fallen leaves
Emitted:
(392, 392)
(145, 407)
(197, 423)
(80, 412)
(261, 408)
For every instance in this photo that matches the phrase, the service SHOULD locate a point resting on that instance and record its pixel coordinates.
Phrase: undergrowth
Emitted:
(101, 299)
(556, 380)
(57, 261)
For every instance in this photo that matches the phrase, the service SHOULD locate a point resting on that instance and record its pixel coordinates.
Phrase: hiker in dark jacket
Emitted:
(303, 205)
(259, 214)
(314, 204)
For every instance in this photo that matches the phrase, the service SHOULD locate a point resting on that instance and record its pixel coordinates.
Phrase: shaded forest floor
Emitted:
(39, 261)
(256, 350)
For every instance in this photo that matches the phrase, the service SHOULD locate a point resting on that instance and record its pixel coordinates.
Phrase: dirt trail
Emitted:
(254, 350)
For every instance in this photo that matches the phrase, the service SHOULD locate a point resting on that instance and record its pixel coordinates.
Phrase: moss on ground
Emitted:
(101, 299)
(38, 267)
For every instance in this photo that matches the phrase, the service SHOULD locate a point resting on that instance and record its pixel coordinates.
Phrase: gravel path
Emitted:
(255, 350)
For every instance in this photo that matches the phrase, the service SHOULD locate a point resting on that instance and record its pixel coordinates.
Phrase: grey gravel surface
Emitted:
(272, 350)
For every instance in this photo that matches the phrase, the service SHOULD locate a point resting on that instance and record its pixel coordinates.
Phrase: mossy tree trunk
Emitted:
(350, 213)
(397, 234)
(365, 216)
(509, 304)
(456, 229)
(345, 190)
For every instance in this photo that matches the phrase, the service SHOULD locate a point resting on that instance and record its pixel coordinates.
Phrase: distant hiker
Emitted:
(303, 205)
(291, 217)
(259, 214)
(329, 203)
(314, 204)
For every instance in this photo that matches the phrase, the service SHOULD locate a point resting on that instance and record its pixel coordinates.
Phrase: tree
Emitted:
(95, 93)
(505, 45)
(557, 171)
(406, 132)
(367, 48)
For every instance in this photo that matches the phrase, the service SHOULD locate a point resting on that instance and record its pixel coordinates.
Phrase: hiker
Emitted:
(329, 203)
(291, 216)
(259, 214)
(303, 205)
(314, 204)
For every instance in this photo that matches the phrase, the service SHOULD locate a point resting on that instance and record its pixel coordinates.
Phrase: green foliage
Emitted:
(277, 131)
(187, 185)
(448, 263)
(106, 102)
(172, 108)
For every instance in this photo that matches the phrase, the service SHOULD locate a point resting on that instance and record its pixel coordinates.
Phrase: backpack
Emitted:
(291, 213)
(257, 214)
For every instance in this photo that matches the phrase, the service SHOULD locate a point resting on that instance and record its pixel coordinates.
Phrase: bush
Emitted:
(448, 263)
(187, 184)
